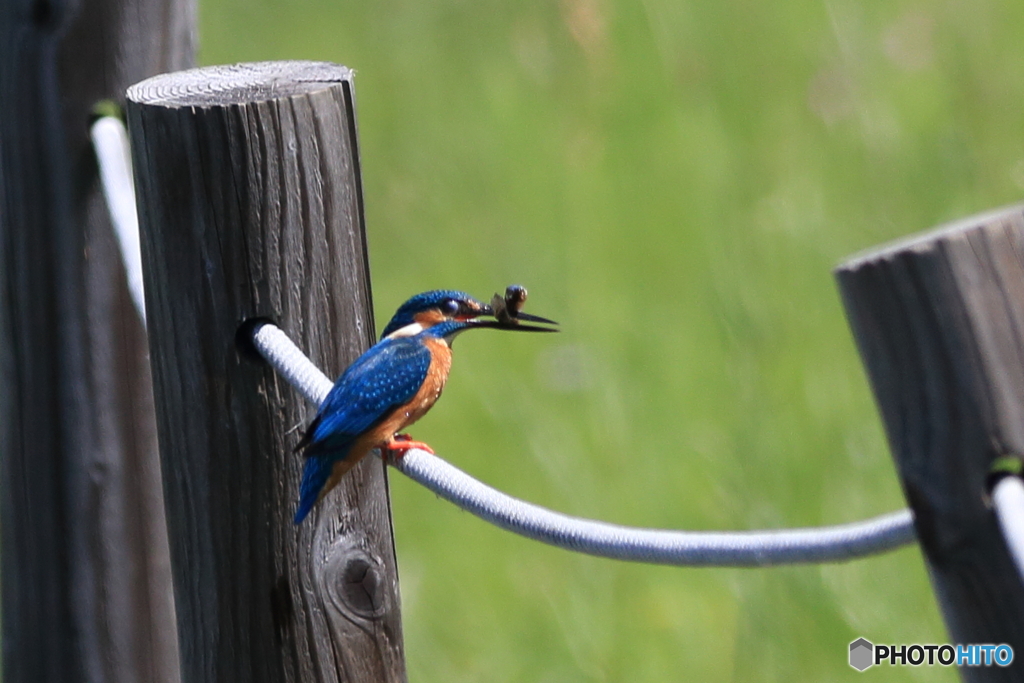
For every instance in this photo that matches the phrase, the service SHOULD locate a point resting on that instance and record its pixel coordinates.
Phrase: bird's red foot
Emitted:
(399, 444)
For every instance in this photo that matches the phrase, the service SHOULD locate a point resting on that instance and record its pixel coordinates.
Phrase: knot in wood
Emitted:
(361, 585)
(355, 583)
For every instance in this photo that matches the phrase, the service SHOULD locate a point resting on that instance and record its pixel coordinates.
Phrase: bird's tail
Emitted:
(320, 475)
(314, 476)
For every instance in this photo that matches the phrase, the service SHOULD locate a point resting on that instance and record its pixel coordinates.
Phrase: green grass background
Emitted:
(673, 181)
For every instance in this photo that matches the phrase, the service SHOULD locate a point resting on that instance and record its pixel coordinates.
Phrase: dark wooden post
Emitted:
(85, 570)
(939, 320)
(250, 205)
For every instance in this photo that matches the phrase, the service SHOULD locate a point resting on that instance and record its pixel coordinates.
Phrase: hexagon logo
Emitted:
(861, 654)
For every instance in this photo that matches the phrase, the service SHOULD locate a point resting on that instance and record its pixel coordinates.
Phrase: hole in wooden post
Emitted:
(1006, 465)
(243, 337)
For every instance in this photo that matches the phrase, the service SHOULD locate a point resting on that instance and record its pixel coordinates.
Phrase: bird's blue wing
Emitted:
(384, 378)
(388, 375)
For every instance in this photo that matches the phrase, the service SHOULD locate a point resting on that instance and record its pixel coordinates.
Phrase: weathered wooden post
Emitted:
(85, 569)
(939, 320)
(251, 206)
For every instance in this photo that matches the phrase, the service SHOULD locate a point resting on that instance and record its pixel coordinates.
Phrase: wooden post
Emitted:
(251, 206)
(85, 569)
(939, 321)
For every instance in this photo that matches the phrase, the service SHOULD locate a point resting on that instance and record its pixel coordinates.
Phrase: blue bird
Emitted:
(394, 384)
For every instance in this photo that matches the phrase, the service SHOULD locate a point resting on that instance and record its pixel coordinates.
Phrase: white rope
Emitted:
(110, 143)
(291, 363)
(682, 548)
(1008, 501)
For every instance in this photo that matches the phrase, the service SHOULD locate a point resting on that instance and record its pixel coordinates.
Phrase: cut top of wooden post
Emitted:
(967, 277)
(237, 84)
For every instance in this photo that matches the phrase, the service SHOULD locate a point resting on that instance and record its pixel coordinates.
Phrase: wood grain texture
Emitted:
(939, 321)
(86, 586)
(250, 205)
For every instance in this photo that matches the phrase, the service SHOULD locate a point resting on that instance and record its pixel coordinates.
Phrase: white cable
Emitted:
(1008, 501)
(110, 143)
(682, 548)
(657, 546)
(291, 363)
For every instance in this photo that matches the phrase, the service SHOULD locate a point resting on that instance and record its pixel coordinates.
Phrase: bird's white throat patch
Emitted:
(407, 331)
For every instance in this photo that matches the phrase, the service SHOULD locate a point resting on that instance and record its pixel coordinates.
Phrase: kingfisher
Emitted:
(395, 383)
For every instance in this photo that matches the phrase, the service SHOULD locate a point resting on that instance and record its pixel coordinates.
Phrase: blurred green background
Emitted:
(673, 182)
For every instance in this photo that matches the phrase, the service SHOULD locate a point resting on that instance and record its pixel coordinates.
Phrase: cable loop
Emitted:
(680, 548)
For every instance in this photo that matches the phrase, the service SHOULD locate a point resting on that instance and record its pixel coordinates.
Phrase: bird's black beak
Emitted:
(499, 325)
(536, 319)
(507, 321)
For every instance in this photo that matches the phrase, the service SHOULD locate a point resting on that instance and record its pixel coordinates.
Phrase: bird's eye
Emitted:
(450, 307)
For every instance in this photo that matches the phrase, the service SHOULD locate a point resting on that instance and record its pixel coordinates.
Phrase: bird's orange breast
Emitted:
(417, 406)
(430, 390)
